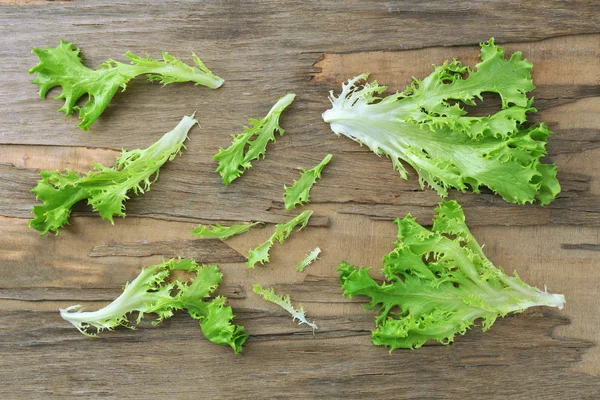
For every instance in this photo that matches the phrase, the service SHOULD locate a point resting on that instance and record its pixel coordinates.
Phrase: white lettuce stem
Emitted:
(135, 297)
(335, 114)
(119, 307)
(106, 317)
(519, 301)
(527, 296)
(172, 141)
(282, 104)
(202, 78)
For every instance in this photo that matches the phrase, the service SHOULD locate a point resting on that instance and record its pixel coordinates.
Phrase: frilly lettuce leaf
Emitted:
(151, 292)
(299, 192)
(252, 143)
(282, 232)
(312, 256)
(62, 66)
(216, 325)
(448, 148)
(437, 283)
(221, 231)
(285, 303)
(106, 189)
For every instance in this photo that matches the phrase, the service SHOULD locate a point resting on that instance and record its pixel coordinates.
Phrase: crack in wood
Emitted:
(580, 246)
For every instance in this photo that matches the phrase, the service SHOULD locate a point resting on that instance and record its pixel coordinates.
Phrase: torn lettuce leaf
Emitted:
(105, 189)
(285, 303)
(299, 192)
(221, 231)
(438, 283)
(217, 325)
(62, 66)
(282, 232)
(152, 292)
(252, 143)
(312, 256)
(447, 147)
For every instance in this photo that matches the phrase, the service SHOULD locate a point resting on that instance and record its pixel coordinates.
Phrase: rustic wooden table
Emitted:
(265, 49)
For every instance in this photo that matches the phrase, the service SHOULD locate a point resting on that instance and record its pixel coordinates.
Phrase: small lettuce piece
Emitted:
(299, 192)
(282, 232)
(221, 231)
(252, 143)
(440, 282)
(312, 256)
(62, 66)
(285, 303)
(447, 147)
(152, 292)
(217, 325)
(106, 189)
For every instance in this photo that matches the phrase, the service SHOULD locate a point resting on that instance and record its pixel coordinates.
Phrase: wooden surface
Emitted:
(263, 50)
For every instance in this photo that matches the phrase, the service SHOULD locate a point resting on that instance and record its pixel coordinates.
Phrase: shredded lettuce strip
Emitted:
(221, 231)
(299, 192)
(284, 302)
(260, 254)
(309, 259)
(252, 143)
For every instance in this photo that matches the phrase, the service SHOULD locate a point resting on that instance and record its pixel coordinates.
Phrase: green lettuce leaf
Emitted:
(299, 192)
(106, 189)
(62, 66)
(252, 143)
(312, 256)
(282, 232)
(447, 147)
(285, 303)
(220, 231)
(438, 283)
(217, 325)
(151, 292)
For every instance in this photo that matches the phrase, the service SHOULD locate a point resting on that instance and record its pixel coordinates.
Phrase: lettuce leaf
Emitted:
(440, 282)
(151, 292)
(282, 232)
(62, 66)
(221, 231)
(106, 189)
(252, 143)
(312, 256)
(447, 147)
(217, 325)
(285, 303)
(299, 192)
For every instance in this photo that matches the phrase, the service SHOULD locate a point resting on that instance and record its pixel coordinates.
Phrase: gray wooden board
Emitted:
(264, 49)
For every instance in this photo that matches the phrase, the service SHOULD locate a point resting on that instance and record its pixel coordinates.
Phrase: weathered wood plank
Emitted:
(179, 195)
(184, 199)
(566, 211)
(278, 50)
(208, 250)
(549, 57)
(293, 362)
(61, 294)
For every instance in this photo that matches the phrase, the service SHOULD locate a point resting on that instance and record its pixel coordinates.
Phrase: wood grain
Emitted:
(291, 362)
(264, 49)
(208, 250)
